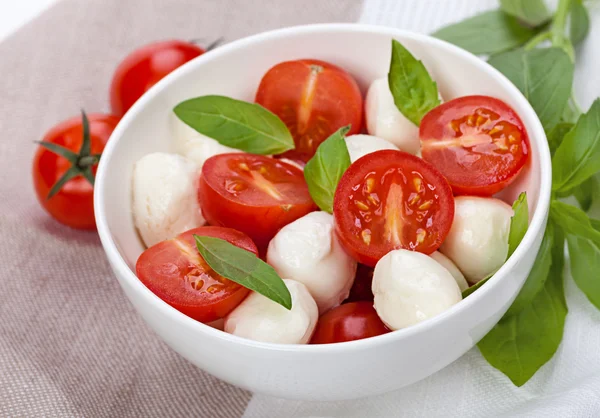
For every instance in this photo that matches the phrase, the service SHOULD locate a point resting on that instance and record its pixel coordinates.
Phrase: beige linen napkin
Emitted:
(70, 342)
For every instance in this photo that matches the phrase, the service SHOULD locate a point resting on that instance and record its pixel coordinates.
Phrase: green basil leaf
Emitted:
(521, 343)
(573, 221)
(325, 169)
(585, 264)
(556, 135)
(518, 223)
(538, 275)
(544, 76)
(244, 268)
(595, 223)
(476, 286)
(580, 22)
(236, 124)
(578, 156)
(487, 33)
(415, 93)
(532, 12)
(585, 192)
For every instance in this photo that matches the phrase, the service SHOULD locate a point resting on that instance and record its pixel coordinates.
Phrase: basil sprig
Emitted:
(530, 332)
(236, 124)
(244, 268)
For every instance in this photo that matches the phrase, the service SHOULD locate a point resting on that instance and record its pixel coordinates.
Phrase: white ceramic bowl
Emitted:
(315, 372)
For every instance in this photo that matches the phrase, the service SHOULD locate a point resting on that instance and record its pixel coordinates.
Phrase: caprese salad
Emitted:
(290, 220)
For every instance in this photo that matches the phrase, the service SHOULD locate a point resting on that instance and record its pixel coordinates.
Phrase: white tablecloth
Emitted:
(569, 385)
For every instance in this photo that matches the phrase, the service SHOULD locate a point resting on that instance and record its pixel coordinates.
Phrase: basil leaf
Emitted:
(585, 192)
(532, 12)
(544, 76)
(556, 135)
(580, 22)
(578, 156)
(487, 33)
(415, 93)
(595, 223)
(243, 267)
(518, 223)
(573, 221)
(236, 124)
(325, 169)
(585, 264)
(521, 343)
(476, 286)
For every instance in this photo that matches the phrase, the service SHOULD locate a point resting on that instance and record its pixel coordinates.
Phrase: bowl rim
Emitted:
(121, 268)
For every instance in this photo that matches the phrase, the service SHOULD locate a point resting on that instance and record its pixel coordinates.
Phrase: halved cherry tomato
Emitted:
(175, 271)
(348, 322)
(361, 288)
(388, 200)
(63, 169)
(314, 99)
(145, 67)
(478, 142)
(254, 194)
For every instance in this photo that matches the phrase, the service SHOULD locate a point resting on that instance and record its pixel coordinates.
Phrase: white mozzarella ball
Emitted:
(478, 240)
(259, 318)
(193, 145)
(308, 251)
(361, 145)
(451, 267)
(410, 287)
(165, 201)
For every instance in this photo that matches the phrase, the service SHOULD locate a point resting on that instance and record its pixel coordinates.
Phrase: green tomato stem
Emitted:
(560, 21)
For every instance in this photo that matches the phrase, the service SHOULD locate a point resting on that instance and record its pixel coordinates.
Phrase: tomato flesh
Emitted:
(388, 200)
(478, 143)
(73, 205)
(254, 194)
(314, 99)
(348, 322)
(175, 272)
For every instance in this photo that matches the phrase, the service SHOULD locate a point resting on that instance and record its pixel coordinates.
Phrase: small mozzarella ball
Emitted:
(478, 240)
(259, 318)
(307, 250)
(193, 145)
(451, 267)
(386, 121)
(361, 145)
(410, 287)
(164, 197)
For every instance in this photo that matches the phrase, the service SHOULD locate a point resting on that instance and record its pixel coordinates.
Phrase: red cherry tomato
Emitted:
(175, 271)
(348, 322)
(388, 200)
(314, 99)
(145, 67)
(361, 288)
(71, 203)
(254, 194)
(478, 142)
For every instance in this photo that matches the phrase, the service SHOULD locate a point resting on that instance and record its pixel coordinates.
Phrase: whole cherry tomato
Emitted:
(64, 167)
(348, 322)
(144, 67)
(361, 288)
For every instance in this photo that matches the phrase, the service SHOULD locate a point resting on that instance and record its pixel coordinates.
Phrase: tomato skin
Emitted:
(251, 211)
(73, 205)
(172, 276)
(361, 288)
(348, 322)
(314, 99)
(145, 67)
(489, 147)
(391, 199)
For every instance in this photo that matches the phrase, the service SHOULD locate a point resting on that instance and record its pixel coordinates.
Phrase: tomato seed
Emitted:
(361, 205)
(366, 236)
(417, 182)
(426, 205)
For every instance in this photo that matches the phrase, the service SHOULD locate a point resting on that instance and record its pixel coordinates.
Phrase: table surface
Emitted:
(14, 14)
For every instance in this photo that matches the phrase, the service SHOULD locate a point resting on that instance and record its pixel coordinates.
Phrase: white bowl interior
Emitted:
(235, 70)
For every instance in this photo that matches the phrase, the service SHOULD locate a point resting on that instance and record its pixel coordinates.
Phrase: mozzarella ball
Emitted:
(193, 145)
(410, 287)
(165, 201)
(386, 121)
(478, 240)
(307, 250)
(451, 267)
(259, 318)
(361, 145)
